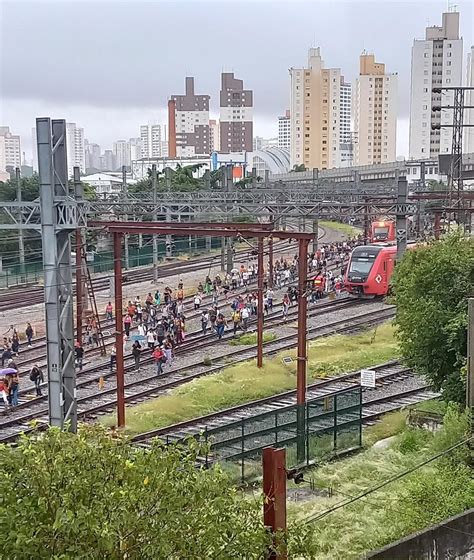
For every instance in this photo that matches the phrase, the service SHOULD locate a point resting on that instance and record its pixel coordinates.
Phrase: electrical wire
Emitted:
(394, 478)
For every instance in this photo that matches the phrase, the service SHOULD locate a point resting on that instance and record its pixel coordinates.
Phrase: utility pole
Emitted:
(316, 220)
(470, 364)
(21, 245)
(401, 217)
(125, 199)
(80, 279)
(168, 239)
(274, 491)
(155, 219)
(60, 215)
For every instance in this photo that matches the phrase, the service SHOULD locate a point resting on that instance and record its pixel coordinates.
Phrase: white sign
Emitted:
(378, 279)
(367, 378)
(406, 209)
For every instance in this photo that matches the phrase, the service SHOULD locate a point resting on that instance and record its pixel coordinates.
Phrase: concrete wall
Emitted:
(449, 540)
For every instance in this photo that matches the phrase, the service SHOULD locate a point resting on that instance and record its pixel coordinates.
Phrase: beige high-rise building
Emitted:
(375, 113)
(315, 114)
(469, 100)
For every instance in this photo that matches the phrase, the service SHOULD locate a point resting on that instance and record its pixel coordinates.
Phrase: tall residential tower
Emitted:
(375, 113)
(188, 122)
(317, 124)
(236, 117)
(284, 129)
(436, 61)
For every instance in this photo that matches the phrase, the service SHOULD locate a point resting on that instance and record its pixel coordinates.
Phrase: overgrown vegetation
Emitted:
(431, 286)
(422, 498)
(245, 382)
(251, 338)
(347, 229)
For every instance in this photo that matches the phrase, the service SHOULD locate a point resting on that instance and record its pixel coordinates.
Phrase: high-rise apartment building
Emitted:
(76, 156)
(315, 114)
(121, 151)
(135, 148)
(215, 135)
(92, 155)
(436, 61)
(151, 140)
(346, 154)
(469, 100)
(375, 113)
(284, 128)
(10, 150)
(188, 123)
(236, 117)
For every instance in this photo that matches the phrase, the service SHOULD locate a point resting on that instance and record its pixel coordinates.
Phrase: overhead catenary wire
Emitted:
(343, 503)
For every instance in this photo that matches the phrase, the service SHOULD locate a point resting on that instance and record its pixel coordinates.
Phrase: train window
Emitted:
(385, 266)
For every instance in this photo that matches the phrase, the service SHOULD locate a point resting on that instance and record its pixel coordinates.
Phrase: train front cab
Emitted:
(383, 231)
(369, 270)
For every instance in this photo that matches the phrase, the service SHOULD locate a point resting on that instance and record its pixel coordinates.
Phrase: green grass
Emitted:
(438, 490)
(433, 406)
(245, 382)
(251, 338)
(389, 425)
(350, 231)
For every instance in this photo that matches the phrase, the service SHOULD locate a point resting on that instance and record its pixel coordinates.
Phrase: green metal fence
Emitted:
(12, 275)
(332, 424)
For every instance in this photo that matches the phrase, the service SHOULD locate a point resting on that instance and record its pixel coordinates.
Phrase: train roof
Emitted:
(373, 249)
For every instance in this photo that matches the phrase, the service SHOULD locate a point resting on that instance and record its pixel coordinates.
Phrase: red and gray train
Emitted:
(370, 269)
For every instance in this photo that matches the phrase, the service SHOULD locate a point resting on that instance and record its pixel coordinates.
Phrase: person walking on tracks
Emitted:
(160, 359)
(136, 352)
(29, 333)
(79, 355)
(36, 375)
(113, 357)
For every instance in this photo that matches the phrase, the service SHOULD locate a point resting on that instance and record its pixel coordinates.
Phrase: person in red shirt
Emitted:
(159, 357)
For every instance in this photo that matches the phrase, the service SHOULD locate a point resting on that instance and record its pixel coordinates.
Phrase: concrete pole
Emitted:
(125, 198)
(401, 217)
(267, 178)
(155, 219)
(21, 244)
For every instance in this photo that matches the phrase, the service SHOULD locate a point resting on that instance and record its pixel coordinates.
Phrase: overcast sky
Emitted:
(111, 65)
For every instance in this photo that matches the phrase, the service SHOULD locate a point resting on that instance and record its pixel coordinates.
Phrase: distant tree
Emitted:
(431, 286)
(298, 167)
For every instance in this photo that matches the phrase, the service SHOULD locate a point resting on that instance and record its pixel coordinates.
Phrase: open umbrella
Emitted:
(8, 371)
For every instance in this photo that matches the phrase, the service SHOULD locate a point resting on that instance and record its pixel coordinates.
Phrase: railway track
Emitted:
(13, 299)
(93, 402)
(386, 396)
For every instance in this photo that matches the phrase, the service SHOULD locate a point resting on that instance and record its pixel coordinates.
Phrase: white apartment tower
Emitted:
(215, 135)
(345, 136)
(151, 140)
(468, 132)
(284, 131)
(375, 113)
(436, 61)
(315, 114)
(121, 151)
(10, 150)
(76, 156)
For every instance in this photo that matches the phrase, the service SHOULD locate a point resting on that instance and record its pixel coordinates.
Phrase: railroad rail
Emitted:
(376, 401)
(95, 401)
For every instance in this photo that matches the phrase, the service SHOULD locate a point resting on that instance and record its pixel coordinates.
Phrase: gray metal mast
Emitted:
(155, 218)
(401, 221)
(21, 244)
(60, 215)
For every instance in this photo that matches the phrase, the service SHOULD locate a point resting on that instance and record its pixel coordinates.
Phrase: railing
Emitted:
(333, 425)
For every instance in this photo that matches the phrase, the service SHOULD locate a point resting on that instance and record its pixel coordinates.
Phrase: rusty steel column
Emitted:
(270, 262)
(274, 491)
(301, 351)
(119, 330)
(260, 303)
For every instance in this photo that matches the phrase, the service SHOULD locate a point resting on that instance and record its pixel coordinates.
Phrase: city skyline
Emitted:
(108, 113)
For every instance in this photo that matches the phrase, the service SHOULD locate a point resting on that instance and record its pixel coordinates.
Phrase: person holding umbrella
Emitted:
(12, 383)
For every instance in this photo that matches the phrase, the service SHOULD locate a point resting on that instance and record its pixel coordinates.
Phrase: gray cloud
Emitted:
(134, 54)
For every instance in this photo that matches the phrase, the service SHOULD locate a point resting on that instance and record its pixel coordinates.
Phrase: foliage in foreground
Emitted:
(91, 496)
(425, 497)
(431, 286)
